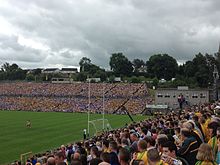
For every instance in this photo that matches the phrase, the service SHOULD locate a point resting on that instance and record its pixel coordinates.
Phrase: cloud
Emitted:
(60, 33)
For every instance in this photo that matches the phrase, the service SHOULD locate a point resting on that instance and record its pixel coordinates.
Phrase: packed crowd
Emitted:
(47, 97)
(178, 138)
(73, 89)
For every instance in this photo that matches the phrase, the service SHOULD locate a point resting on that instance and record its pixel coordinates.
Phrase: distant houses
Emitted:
(66, 71)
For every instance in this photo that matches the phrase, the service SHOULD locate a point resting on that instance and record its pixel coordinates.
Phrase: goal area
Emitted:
(25, 156)
(98, 126)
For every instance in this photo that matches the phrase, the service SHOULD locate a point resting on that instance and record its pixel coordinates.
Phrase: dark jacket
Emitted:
(114, 159)
(189, 150)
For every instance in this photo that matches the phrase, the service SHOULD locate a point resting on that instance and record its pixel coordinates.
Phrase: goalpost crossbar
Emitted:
(24, 155)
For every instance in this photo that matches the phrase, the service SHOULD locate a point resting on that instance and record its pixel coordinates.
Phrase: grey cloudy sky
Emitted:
(58, 33)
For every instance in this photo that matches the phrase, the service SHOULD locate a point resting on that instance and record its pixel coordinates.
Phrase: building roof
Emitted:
(69, 69)
(51, 69)
(175, 89)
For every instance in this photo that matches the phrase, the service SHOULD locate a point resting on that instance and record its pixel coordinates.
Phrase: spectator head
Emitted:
(51, 161)
(202, 120)
(144, 130)
(113, 146)
(75, 156)
(196, 118)
(205, 153)
(95, 161)
(62, 147)
(83, 159)
(170, 149)
(105, 157)
(185, 133)
(134, 137)
(126, 134)
(99, 145)
(153, 131)
(124, 141)
(150, 141)
(59, 157)
(188, 125)
(105, 143)
(18, 162)
(153, 157)
(94, 151)
(177, 130)
(218, 131)
(170, 138)
(212, 126)
(161, 139)
(123, 156)
(79, 144)
(192, 124)
(142, 145)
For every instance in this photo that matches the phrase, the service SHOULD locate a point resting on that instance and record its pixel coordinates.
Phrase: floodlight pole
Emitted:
(89, 106)
(215, 84)
(103, 108)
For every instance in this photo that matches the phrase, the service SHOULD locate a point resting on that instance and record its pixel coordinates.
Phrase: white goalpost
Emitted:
(98, 126)
(102, 124)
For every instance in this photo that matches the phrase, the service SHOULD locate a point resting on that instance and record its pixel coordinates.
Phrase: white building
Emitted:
(169, 96)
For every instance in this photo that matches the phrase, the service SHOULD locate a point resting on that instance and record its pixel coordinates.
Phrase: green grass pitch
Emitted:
(49, 130)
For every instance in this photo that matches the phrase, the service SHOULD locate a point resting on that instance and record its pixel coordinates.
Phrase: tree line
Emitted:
(197, 72)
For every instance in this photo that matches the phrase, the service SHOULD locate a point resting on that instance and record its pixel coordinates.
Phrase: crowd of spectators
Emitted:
(65, 90)
(48, 97)
(178, 138)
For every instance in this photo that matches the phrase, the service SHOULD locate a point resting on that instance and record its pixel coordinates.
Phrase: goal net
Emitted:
(25, 156)
(99, 125)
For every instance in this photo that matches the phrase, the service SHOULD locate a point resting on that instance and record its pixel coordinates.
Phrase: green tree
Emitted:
(93, 69)
(137, 64)
(202, 77)
(89, 68)
(135, 79)
(181, 69)
(84, 64)
(14, 67)
(6, 67)
(30, 77)
(101, 74)
(36, 71)
(111, 78)
(200, 69)
(120, 64)
(155, 82)
(162, 66)
(217, 57)
(211, 61)
(81, 76)
(3, 75)
(189, 69)
(13, 72)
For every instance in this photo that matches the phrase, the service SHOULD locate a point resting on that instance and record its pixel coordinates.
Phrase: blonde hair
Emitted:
(205, 153)
(188, 125)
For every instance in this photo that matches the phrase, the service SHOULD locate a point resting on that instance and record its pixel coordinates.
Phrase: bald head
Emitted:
(51, 161)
